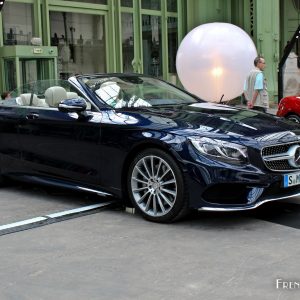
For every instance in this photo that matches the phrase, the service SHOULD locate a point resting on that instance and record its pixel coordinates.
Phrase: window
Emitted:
(152, 46)
(91, 1)
(127, 41)
(80, 39)
(172, 5)
(17, 23)
(151, 4)
(172, 43)
(127, 3)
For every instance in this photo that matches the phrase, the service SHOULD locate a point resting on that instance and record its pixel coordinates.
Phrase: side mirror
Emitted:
(77, 105)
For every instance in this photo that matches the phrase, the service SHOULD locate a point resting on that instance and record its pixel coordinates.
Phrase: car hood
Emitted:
(215, 119)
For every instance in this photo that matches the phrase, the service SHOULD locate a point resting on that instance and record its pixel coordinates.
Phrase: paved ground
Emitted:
(112, 254)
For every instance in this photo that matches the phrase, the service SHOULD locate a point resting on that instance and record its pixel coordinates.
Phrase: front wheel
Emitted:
(156, 186)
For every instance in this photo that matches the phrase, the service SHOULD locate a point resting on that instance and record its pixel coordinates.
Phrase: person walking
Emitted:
(255, 88)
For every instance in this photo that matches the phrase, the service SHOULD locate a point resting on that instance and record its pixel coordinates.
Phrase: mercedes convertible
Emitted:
(147, 143)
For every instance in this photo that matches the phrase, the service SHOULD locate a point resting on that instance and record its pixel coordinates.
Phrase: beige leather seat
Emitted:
(25, 99)
(109, 92)
(54, 95)
(71, 95)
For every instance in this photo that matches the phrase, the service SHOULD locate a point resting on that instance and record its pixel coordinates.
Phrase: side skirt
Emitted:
(59, 183)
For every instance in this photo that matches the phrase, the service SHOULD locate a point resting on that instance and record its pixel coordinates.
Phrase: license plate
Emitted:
(291, 179)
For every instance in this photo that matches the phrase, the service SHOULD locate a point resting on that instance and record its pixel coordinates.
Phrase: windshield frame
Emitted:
(108, 87)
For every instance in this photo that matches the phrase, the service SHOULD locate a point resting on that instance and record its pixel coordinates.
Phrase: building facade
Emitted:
(41, 39)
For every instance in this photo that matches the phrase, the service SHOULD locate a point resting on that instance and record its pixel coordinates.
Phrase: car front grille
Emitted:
(273, 150)
(280, 157)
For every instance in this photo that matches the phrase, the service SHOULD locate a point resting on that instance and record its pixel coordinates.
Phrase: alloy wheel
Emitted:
(154, 186)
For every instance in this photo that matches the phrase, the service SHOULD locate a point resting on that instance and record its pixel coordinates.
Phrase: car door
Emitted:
(60, 145)
(10, 153)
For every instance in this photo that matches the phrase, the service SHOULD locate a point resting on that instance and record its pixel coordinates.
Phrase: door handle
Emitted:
(32, 116)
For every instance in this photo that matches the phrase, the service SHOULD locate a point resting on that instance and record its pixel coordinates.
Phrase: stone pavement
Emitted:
(117, 255)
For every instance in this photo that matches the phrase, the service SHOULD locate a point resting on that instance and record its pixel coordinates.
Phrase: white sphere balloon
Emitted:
(214, 59)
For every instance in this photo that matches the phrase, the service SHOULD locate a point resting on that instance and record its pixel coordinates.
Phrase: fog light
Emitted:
(254, 194)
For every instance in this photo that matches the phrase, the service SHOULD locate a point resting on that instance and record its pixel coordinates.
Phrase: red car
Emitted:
(289, 107)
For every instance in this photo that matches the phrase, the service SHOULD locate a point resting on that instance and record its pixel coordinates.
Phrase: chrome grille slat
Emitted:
(276, 159)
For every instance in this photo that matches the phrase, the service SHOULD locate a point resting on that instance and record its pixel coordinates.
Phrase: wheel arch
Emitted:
(133, 153)
(289, 113)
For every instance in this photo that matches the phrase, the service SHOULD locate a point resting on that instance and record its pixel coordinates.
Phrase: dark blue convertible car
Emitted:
(148, 143)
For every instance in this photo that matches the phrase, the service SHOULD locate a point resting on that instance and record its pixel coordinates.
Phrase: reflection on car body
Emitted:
(148, 143)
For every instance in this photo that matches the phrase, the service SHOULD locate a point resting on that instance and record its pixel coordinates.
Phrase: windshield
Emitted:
(136, 91)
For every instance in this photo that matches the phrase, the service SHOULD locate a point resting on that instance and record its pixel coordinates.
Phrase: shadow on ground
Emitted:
(283, 213)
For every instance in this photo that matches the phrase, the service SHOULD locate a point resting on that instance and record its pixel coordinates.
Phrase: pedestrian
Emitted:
(5, 95)
(255, 87)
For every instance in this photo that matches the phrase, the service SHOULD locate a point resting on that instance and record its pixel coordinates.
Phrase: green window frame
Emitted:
(138, 12)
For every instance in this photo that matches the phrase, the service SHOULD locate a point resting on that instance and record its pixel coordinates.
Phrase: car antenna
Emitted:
(221, 98)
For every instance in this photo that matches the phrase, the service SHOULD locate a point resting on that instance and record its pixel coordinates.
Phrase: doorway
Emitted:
(34, 69)
(24, 64)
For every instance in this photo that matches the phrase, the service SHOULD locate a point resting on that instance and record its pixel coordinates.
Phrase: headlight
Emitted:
(221, 150)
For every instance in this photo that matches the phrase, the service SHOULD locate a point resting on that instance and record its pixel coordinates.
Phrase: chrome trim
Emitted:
(60, 105)
(64, 184)
(289, 156)
(281, 144)
(275, 157)
(93, 191)
(240, 208)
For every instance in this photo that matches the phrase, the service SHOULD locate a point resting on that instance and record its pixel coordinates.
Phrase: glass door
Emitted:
(10, 74)
(20, 71)
(152, 45)
(35, 69)
(81, 42)
(129, 36)
(128, 42)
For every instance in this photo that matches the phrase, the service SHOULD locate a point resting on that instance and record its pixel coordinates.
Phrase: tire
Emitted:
(156, 187)
(294, 118)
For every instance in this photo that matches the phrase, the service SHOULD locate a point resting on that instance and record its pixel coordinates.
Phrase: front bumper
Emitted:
(221, 189)
(251, 206)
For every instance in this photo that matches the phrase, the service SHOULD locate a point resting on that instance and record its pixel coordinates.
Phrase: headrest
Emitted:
(25, 99)
(54, 95)
(71, 95)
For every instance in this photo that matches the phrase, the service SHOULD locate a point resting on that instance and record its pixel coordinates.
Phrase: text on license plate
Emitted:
(291, 179)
